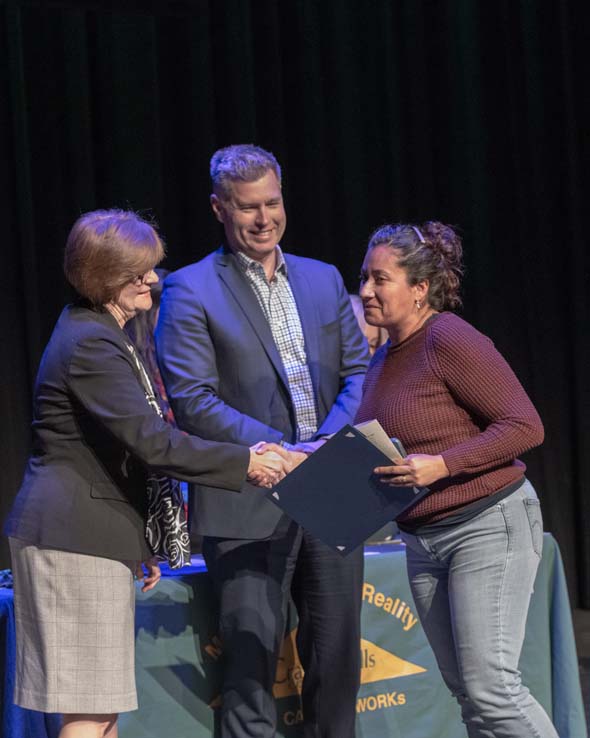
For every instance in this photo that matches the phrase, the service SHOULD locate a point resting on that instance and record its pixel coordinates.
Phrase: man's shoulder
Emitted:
(306, 261)
(208, 265)
(307, 264)
(204, 266)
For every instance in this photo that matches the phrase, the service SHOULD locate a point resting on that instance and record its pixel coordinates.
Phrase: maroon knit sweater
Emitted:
(446, 390)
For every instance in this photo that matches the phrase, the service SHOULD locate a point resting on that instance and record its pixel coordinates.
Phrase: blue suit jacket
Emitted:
(225, 378)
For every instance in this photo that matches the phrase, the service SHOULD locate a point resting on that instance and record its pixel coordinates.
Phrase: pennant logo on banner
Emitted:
(377, 664)
(289, 677)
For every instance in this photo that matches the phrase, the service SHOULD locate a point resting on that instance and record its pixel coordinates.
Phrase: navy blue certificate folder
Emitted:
(335, 495)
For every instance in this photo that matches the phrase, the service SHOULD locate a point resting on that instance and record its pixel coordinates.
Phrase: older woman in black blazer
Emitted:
(77, 527)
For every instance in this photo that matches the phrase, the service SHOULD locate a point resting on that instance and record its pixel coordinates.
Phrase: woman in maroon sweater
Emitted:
(473, 544)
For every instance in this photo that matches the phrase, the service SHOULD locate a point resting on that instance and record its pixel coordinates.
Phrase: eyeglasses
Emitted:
(141, 278)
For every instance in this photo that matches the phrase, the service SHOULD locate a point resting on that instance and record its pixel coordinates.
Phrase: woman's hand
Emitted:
(294, 454)
(149, 573)
(416, 470)
(269, 463)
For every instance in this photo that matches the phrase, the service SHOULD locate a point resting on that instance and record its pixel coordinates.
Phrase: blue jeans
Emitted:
(472, 585)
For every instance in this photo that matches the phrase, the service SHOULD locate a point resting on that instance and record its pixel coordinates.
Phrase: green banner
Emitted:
(402, 692)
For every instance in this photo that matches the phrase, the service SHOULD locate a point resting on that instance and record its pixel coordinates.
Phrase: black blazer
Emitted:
(94, 439)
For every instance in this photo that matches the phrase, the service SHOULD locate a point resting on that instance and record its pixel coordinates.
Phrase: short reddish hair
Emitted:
(107, 249)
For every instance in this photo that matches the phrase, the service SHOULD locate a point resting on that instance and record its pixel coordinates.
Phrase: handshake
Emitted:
(269, 462)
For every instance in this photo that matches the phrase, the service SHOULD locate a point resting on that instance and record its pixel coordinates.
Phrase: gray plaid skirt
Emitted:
(75, 641)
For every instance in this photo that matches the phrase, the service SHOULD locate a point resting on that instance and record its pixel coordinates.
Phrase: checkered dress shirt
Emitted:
(279, 307)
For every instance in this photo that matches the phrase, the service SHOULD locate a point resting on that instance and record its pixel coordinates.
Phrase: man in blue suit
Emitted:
(254, 343)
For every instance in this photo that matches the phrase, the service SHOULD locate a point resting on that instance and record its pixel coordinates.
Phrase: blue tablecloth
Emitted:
(402, 693)
(16, 722)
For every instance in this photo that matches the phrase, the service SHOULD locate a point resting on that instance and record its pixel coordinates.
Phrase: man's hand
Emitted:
(269, 463)
(289, 453)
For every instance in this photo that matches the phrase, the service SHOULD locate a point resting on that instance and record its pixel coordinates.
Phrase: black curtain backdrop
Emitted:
(475, 113)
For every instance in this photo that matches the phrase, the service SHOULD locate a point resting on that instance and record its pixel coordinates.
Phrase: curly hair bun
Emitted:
(447, 250)
(444, 241)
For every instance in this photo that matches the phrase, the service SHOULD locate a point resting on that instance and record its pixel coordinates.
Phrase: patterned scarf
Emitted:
(166, 527)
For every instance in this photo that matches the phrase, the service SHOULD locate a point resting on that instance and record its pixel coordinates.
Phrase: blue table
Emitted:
(16, 722)
(402, 692)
